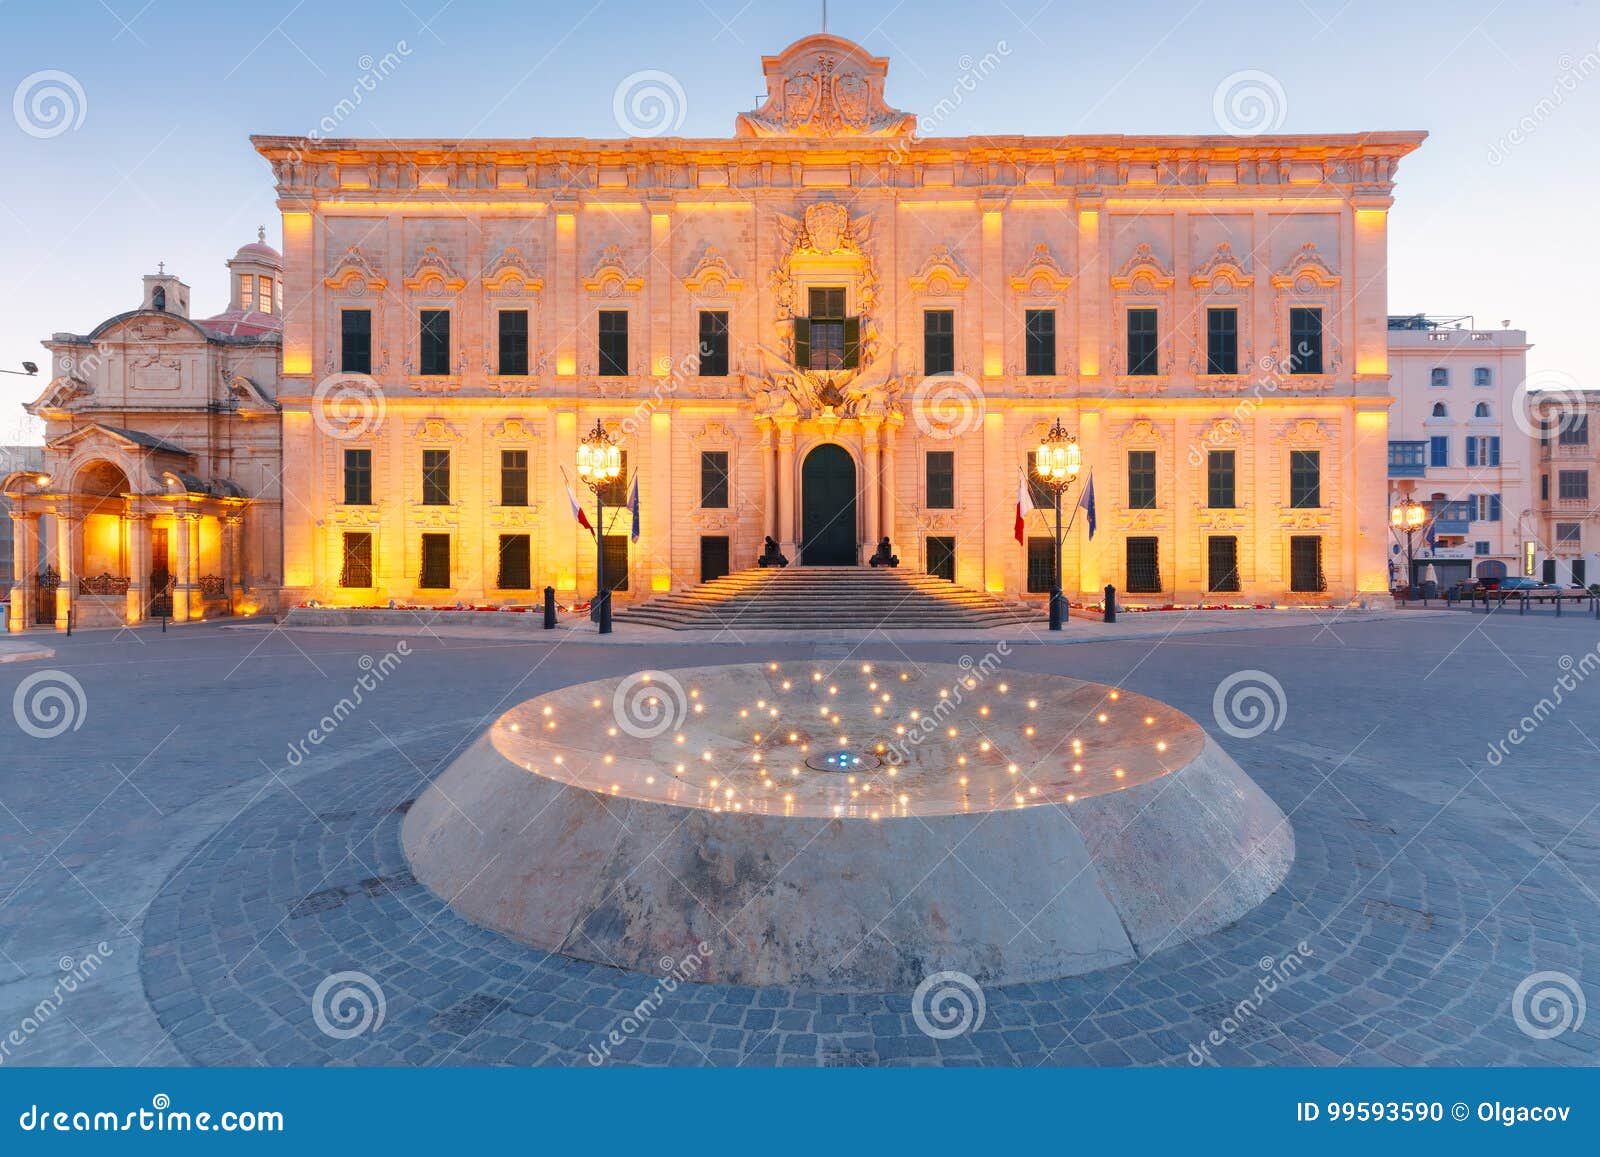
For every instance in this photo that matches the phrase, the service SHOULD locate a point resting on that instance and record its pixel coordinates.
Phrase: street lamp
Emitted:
(1056, 465)
(599, 463)
(29, 369)
(1409, 515)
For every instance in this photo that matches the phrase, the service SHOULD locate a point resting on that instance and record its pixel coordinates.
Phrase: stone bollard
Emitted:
(1111, 603)
(549, 608)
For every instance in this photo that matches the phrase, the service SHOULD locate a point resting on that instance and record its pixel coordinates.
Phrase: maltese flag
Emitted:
(577, 511)
(1024, 505)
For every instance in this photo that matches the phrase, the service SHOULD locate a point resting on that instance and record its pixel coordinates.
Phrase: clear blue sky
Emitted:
(161, 168)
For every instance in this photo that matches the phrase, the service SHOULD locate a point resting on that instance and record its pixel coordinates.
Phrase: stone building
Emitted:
(1460, 444)
(158, 492)
(1566, 463)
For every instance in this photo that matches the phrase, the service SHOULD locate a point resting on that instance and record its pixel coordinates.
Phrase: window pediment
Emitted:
(1042, 276)
(510, 275)
(355, 273)
(1306, 272)
(434, 274)
(1222, 273)
(941, 274)
(712, 276)
(1143, 272)
(611, 277)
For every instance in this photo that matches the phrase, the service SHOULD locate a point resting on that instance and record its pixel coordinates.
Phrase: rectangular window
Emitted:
(358, 477)
(1144, 566)
(1580, 571)
(1439, 376)
(1544, 488)
(1141, 479)
(1143, 359)
(1439, 450)
(1573, 430)
(1569, 533)
(713, 343)
(1305, 341)
(1481, 376)
(1039, 338)
(247, 292)
(1222, 563)
(436, 478)
(942, 557)
(265, 295)
(1221, 490)
(941, 472)
(513, 478)
(1305, 564)
(435, 562)
(613, 343)
(516, 563)
(433, 343)
(1305, 478)
(1222, 341)
(1480, 548)
(355, 341)
(615, 549)
(938, 341)
(714, 556)
(827, 339)
(1041, 565)
(1572, 484)
(714, 479)
(1483, 450)
(615, 492)
(513, 342)
(357, 569)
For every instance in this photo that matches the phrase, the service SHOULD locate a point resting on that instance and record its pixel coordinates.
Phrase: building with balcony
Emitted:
(828, 330)
(1459, 442)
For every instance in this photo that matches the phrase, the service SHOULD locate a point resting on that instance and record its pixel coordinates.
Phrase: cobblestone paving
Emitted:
(1427, 883)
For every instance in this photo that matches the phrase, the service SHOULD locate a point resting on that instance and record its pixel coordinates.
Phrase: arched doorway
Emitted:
(828, 507)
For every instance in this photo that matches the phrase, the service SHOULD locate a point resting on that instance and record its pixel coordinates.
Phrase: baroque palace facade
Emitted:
(828, 331)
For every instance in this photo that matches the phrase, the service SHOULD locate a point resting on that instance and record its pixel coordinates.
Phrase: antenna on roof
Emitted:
(824, 15)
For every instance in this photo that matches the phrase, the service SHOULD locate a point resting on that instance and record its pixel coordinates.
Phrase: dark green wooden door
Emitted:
(828, 508)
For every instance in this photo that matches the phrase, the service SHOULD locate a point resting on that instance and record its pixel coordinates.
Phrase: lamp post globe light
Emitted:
(1409, 515)
(599, 463)
(1056, 465)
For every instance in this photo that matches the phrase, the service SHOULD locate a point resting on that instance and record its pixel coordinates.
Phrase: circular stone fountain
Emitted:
(848, 827)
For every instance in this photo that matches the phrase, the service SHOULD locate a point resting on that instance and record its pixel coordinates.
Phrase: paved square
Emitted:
(204, 865)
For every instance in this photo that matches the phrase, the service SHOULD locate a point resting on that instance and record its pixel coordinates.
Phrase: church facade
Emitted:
(823, 329)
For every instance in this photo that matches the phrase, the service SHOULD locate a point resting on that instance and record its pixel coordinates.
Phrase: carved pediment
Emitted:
(1142, 430)
(514, 430)
(62, 393)
(246, 395)
(611, 276)
(1223, 432)
(1306, 272)
(1222, 273)
(436, 430)
(714, 434)
(1304, 432)
(712, 276)
(941, 274)
(1042, 275)
(824, 86)
(1143, 271)
(511, 275)
(434, 274)
(355, 273)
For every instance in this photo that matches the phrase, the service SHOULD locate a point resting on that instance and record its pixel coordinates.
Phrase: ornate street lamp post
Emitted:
(1409, 515)
(599, 463)
(1056, 465)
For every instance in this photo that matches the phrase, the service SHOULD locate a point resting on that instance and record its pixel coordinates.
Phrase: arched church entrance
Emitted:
(828, 507)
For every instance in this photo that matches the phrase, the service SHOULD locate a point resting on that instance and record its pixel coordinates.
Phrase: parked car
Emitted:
(1515, 583)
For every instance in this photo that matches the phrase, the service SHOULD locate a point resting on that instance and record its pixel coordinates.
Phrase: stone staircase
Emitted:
(821, 598)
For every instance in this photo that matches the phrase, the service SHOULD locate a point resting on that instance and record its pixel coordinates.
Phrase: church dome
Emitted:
(259, 251)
